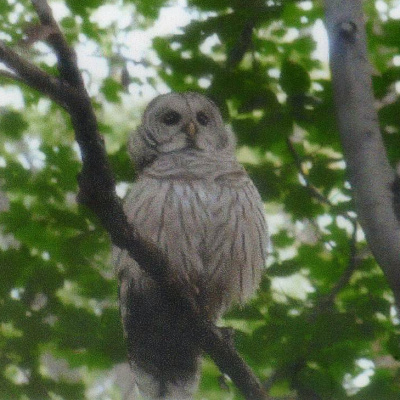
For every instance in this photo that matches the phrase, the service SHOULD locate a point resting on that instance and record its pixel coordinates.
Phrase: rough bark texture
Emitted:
(369, 171)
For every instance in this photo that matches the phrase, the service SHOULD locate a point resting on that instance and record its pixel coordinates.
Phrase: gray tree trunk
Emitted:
(369, 171)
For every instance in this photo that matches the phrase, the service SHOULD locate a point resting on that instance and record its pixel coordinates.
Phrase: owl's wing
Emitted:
(237, 245)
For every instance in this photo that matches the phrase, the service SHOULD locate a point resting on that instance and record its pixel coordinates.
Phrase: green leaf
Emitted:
(294, 78)
(111, 90)
(81, 7)
(286, 268)
(12, 124)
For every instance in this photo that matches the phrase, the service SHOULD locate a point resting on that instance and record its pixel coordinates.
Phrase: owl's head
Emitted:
(177, 122)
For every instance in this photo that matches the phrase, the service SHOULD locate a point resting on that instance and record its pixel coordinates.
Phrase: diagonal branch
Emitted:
(327, 301)
(314, 192)
(33, 76)
(299, 164)
(97, 191)
(66, 56)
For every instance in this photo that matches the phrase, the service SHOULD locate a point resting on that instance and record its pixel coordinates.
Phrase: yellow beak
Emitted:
(191, 129)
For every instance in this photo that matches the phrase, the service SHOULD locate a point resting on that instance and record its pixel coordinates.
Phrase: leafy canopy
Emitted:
(323, 324)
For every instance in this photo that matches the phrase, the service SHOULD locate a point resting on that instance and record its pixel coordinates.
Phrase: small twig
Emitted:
(299, 164)
(11, 76)
(119, 57)
(328, 300)
(274, 377)
(314, 192)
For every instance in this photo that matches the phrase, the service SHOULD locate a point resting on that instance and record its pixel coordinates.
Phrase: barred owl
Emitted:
(198, 205)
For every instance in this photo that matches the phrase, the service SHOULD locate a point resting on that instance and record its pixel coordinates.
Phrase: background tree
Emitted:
(323, 325)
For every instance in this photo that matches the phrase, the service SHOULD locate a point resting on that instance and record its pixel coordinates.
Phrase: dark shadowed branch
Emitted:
(369, 171)
(97, 191)
(243, 44)
(28, 73)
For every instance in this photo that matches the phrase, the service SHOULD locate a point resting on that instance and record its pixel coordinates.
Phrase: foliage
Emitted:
(324, 314)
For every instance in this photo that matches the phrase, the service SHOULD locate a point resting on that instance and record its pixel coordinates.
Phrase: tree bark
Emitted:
(369, 171)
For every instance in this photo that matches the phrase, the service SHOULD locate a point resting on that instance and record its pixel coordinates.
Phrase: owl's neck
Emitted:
(193, 165)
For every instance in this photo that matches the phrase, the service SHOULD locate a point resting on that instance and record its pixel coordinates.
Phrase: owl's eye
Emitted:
(171, 118)
(202, 118)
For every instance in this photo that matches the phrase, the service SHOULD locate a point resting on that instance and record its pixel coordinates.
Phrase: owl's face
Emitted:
(178, 122)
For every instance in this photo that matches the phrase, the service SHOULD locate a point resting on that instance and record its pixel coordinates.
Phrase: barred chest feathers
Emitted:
(207, 216)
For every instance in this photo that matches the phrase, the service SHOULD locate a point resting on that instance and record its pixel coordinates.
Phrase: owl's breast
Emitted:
(176, 210)
(212, 230)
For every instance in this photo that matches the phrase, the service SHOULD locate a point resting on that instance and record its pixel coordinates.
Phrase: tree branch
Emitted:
(97, 191)
(369, 171)
(66, 56)
(314, 192)
(11, 76)
(33, 76)
(327, 301)
(299, 164)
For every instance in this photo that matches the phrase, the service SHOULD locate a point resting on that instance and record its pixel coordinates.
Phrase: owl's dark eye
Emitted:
(171, 118)
(202, 118)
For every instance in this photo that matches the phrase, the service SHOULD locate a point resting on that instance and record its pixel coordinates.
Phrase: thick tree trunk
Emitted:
(369, 171)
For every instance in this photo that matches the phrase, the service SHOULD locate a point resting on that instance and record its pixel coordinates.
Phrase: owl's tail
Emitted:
(164, 357)
(153, 388)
